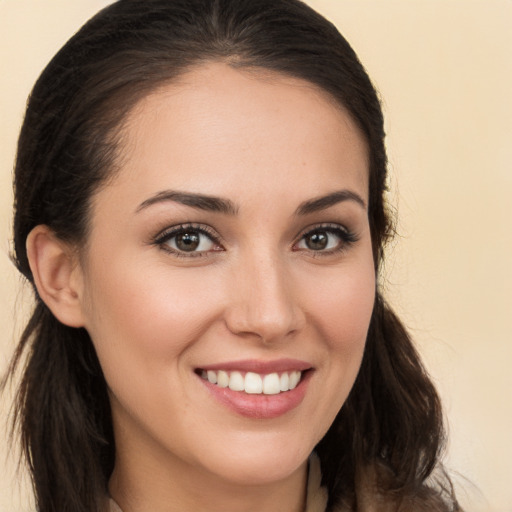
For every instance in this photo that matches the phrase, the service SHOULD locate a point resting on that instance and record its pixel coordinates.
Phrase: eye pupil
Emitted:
(317, 241)
(187, 241)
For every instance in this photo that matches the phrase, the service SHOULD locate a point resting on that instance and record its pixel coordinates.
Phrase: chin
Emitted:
(245, 471)
(258, 460)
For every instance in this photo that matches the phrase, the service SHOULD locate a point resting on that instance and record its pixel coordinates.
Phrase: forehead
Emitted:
(217, 125)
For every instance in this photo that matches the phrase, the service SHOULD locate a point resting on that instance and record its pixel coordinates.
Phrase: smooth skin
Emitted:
(270, 274)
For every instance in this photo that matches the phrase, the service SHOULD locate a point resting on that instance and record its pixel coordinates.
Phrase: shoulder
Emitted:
(430, 495)
(375, 492)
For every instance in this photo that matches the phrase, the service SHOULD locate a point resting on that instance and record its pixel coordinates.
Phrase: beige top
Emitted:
(316, 494)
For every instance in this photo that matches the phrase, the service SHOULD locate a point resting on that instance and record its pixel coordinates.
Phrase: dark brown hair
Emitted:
(391, 424)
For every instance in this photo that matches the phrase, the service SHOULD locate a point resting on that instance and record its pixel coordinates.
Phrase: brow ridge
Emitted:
(198, 201)
(324, 202)
(219, 205)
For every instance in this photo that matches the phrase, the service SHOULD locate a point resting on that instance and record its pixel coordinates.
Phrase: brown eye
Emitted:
(317, 241)
(326, 239)
(187, 241)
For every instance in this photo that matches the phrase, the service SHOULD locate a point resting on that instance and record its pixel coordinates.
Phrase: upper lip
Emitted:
(259, 366)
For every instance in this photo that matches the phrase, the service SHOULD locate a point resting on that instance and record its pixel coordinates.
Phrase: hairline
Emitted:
(137, 93)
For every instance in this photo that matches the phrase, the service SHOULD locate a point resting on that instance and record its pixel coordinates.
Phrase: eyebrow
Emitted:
(198, 201)
(219, 205)
(324, 202)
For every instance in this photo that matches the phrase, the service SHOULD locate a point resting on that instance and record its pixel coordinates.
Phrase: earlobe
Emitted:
(57, 275)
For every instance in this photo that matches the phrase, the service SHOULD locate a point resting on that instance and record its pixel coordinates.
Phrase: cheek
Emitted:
(343, 307)
(340, 311)
(147, 313)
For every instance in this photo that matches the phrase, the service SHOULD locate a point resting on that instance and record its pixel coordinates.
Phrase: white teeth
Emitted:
(294, 379)
(283, 382)
(271, 384)
(253, 383)
(222, 379)
(236, 381)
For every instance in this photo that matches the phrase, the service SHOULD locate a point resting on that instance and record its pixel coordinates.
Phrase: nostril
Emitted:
(266, 326)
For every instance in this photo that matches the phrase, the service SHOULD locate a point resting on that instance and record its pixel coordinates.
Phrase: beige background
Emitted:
(444, 69)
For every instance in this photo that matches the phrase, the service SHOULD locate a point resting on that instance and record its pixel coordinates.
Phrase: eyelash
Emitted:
(162, 240)
(347, 238)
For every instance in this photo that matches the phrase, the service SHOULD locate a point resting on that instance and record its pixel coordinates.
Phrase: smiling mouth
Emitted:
(253, 383)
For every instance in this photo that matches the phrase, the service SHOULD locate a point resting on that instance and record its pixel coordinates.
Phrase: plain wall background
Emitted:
(444, 70)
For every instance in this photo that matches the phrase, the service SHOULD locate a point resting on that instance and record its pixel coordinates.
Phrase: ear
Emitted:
(57, 275)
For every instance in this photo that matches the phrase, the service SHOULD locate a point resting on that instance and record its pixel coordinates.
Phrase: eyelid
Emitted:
(348, 237)
(168, 233)
(333, 226)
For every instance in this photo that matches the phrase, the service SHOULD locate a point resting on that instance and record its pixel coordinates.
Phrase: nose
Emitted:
(263, 303)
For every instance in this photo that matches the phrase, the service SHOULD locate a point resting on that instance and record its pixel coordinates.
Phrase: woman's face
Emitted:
(230, 255)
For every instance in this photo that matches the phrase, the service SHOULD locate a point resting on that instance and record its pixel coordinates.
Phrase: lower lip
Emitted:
(260, 406)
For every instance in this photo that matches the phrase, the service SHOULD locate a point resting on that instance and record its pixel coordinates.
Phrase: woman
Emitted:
(199, 204)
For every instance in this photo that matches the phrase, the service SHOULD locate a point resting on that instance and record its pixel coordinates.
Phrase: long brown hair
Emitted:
(390, 424)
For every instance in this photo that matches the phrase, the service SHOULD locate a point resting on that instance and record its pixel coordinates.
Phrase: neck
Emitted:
(139, 491)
